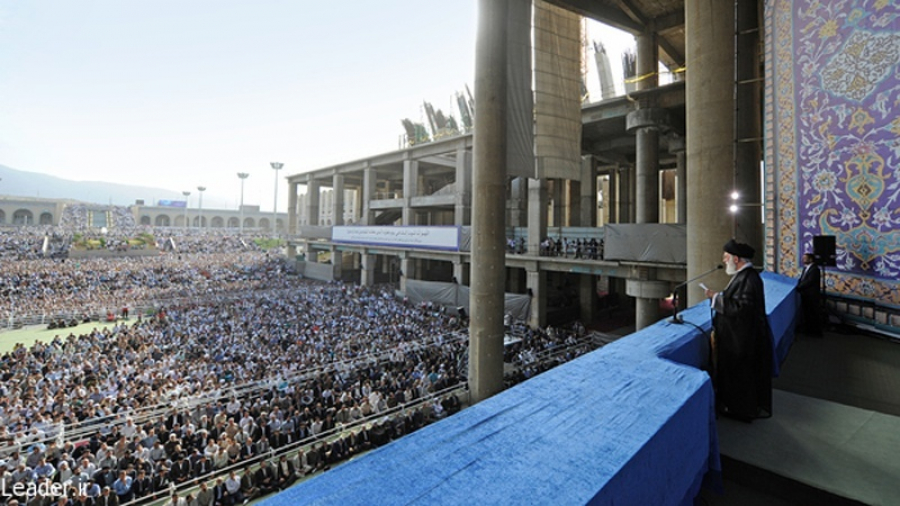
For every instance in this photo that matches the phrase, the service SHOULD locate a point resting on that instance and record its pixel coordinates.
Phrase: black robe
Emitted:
(810, 300)
(743, 343)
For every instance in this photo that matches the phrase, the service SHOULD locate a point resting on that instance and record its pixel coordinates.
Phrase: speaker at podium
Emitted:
(825, 250)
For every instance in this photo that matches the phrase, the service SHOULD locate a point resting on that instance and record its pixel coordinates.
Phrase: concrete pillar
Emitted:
(709, 41)
(408, 270)
(514, 280)
(292, 208)
(612, 197)
(537, 215)
(370, 178)
(558, 208)
(647, 61)
(647, 293)
(461, 271)
(536, 282)
(312, 202)
(646, 123)
(367, 269)
(518, 202)
(586, 294)
(292, 219)
(462, 216)
(748, 220)
(626, 203)
(486, 298)
(337, 200)
(588, 197)
(337, 262)
(573, 204)
(410, 190)
(677, 147)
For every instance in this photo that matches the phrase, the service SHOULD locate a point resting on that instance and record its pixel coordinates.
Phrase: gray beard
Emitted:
(731, 268)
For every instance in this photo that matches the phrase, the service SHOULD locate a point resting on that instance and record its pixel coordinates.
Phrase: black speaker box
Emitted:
(825, 250)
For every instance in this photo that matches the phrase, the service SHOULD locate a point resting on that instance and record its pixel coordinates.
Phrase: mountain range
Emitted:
(18, 183)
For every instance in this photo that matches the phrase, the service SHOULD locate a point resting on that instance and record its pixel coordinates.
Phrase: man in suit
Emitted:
(285, 473)
(810, 296)
(265, 478)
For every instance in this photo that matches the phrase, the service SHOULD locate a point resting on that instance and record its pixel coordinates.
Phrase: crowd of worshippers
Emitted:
(590, 249)
(27, 242)
(204, 351)
(77, 216)
(60, 289)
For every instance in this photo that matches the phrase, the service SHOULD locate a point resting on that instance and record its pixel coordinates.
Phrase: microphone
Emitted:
(675, 318)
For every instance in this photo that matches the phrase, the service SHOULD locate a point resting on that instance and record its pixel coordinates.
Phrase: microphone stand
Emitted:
(675, 318)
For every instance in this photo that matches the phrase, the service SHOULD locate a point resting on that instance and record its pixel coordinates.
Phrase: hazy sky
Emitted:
(176, 94)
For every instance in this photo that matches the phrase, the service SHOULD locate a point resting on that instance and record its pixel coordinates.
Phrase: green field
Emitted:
(28, 335)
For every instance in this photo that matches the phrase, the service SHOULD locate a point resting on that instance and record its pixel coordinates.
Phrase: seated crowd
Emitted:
(215, 391)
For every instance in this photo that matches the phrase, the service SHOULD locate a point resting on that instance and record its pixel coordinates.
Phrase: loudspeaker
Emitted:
(825, 250)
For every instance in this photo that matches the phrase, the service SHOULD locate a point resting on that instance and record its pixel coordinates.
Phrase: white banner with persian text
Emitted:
(441, 238)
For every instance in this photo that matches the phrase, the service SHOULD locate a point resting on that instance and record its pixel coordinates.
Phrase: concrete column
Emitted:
(748, 221)
(709, 41)
(486, 298)
(626, 204)
(461, 272)
(612, 197)
(518, 202)
(588, 200)
(367, 269)
(410, 190)
(312, 202)
(586, 295)
(408, 268)
(514, 280)
(573, 204)
(292, 219)
(292, 208)
(536, 281)
(337, 262)
(647, 61)
(462, 215)
(537, 215)
(337, 200)
(647, 293)
(647, 170)
(646, 124)
(677, 147)
(370, 178)
(558, 208)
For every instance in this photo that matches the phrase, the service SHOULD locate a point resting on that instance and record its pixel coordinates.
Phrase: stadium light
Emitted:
(242, 176)
(277, 166)
(201, 189)
(186, 201)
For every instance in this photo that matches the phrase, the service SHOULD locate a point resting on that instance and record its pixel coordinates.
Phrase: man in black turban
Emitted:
(743, 342)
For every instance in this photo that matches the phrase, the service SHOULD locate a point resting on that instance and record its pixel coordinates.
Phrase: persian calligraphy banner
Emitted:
(440, 238)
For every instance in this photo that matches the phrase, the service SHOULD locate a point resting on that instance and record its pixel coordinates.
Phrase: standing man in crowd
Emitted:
(742, 341)
(810, 296)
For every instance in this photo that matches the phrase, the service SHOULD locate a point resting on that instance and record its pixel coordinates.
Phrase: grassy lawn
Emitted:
(28, 335)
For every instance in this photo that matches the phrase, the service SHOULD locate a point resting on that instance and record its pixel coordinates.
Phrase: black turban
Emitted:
(739, 249)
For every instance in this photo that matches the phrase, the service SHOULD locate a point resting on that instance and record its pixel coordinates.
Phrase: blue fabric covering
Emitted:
(632, 423)
(596, 431)
(782, 305)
